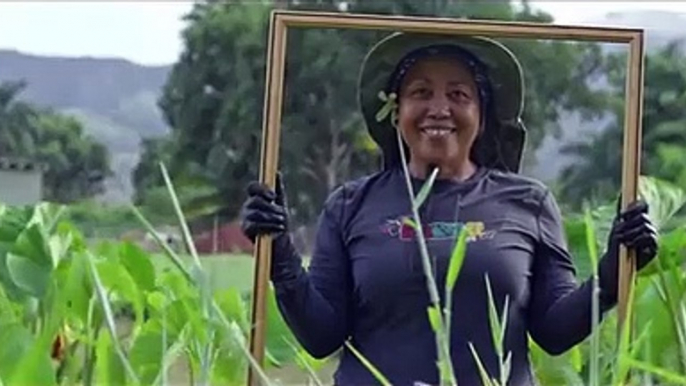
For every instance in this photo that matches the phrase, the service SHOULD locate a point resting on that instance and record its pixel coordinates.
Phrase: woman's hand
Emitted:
(634, 229)
(264, 211)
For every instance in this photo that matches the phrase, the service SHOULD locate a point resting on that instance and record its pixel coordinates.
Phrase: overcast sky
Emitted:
(148, 32)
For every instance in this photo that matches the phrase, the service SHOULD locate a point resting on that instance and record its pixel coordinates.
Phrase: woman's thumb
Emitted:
(280, 190)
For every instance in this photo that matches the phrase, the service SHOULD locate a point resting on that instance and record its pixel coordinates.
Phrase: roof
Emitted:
(19, 164)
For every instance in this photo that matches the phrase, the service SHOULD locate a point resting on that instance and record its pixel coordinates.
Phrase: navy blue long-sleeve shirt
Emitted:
(366, 283)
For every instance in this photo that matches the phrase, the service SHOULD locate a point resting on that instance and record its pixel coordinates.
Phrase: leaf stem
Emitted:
(443, 347)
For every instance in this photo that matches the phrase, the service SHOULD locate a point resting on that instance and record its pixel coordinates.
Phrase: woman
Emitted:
(451, 103)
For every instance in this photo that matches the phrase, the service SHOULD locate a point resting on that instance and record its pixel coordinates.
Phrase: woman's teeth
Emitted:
(437, 132)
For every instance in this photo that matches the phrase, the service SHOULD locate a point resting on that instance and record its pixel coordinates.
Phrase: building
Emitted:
(21, 181)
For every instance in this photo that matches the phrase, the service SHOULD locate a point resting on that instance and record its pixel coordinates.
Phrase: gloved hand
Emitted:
(266, 212)
(634, 229)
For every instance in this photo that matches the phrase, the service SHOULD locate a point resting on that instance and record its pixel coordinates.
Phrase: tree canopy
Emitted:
(75, 164)
(213, 99)
(598, 166)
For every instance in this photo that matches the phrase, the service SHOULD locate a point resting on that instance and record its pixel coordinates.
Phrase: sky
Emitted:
(148, 32)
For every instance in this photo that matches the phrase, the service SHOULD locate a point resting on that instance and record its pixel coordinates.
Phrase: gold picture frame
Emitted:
(282, 20)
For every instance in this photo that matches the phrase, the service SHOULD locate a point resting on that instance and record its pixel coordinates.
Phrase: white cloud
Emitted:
(583, 12)
(145, 32)
(148, 32)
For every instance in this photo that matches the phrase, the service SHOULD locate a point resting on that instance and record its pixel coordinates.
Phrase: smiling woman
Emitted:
(450, 104)
(439, 117)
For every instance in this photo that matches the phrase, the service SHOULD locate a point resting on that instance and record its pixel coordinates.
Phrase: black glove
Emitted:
(634, 229)
(265, 212)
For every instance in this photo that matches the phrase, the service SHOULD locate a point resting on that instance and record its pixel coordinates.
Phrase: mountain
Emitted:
(114, 98)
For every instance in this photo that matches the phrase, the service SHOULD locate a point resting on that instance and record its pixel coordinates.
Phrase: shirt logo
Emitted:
(405, 228)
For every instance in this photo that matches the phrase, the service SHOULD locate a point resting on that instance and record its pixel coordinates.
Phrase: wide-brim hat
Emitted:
(502, 142)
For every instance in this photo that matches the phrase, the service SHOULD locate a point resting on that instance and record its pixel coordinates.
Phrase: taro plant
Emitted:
(62, 303)
(655, 351)
(62, 306)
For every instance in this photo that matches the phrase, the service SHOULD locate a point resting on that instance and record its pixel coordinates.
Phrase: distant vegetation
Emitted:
(115, 100)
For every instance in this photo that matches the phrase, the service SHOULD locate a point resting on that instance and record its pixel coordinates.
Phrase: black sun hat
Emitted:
(498, 75)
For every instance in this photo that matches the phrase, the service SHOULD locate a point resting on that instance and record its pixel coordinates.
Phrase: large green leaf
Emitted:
(653, 312)
(75, 292)
(23, 360)
(13, 221)
(137, 263)
(664, 198)
(16, 339)
(564, 369)
(119, 282)
(230, 366)
(49, 214)
(28, 275)
(35, 368)
(277, 333)
(109, 369)
(233, 306)
(671, 251)
(150, 349)
(33, 243)
(575, 230)
(9, 311)
(101, 291)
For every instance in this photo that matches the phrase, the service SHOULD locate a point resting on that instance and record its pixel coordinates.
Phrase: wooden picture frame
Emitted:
(282, 20)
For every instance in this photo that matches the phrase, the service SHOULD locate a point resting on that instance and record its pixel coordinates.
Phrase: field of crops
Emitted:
(235, 271)
(75, 312)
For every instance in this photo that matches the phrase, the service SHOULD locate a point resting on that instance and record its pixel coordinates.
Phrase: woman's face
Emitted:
(439, 111)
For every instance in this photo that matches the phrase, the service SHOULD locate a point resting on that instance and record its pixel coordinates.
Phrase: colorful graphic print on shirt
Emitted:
(404, 229)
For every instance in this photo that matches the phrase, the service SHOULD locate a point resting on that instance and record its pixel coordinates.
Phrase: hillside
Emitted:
(116, 99)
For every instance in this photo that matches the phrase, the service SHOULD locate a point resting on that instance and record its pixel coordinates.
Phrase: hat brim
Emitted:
(504, 72)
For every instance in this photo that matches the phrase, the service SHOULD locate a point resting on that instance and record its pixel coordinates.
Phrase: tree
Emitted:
(599, 158)
(214, 96)
(76, 164)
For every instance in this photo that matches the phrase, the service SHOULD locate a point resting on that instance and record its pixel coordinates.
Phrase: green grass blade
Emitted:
(304, 363)
(591, 242)
(163, 371)
(442, 345)
(485, 378)
(234, 331)
(170, 354)
(624, 348)
(666, 375)
(493, 319)
(506, 369)
(665, 295)
(173, 256)
(425, 190)
(591, 245)
(108, 367)
(109, 318)
(456, 259)
(454, 268)
(179, 213)
(377, 374)
(434, 318)
(200, 275)
(503, 321)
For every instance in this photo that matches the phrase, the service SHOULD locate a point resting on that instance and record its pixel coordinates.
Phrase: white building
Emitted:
(21, 182)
